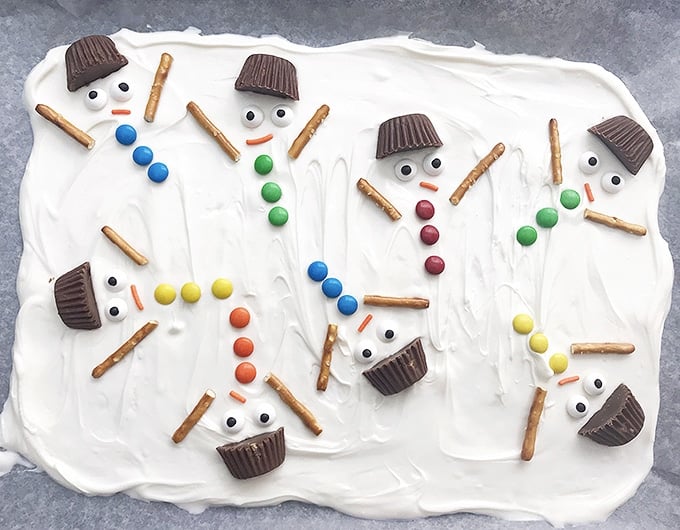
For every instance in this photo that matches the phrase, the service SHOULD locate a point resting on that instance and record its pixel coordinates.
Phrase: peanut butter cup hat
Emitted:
(91, 58)
(254, 456)
(75, 299)
(406, 133)
(624, 137)
(400, 370)
(618, 421)
(270, 75)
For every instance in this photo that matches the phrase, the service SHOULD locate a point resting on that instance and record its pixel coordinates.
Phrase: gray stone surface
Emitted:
(637, 40)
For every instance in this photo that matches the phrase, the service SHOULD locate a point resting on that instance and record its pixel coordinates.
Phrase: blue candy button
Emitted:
(331, 287)
(142, 155)
(126, 134)
(158, 172)
(317, 271)
(347, 304)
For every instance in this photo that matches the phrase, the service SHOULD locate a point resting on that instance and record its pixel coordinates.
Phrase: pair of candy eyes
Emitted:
(235, 419)
(116, 309)
(252, 116)
(406, 169)
(96, 98)
(594, 385)
(365, 350)
(611, 182)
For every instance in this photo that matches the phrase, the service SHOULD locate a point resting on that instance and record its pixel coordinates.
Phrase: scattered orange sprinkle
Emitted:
(135, 297)
(364, 323)
(239, 317)
(120, 111)
(261, 140)
(245, 373)
(589, 192)
(243, 346)
(237, 396)
(566, 380)
(428, 186)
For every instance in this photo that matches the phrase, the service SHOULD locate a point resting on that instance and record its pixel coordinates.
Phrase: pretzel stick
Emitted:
(306, 134)
(555, 151)
(390, 301)
(193, 417)
(477, 171)
(218, 135)
(124, 349)
(78, 135)
(289, 399)
(621, 348)
(157, 87)
(331, 335)
(614, 222)
(127, 249)
(529, 443)
(382, 203)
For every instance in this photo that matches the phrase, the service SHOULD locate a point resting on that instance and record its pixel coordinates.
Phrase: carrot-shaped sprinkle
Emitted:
(117, 112)
(476, 172)
(589, 191)
(331, 335)
(289, 399)
(429, 186)
(237, 396)
(124, 349)
(261, 140)
(365, 322)
(135, 297)
(529, 444)
(566, 380)
(193, 417)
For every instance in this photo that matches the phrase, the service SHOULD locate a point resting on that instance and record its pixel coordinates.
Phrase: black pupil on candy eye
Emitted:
(580, 407)
(92, 94)
(250, 115)
(616, 180)
(264, 417)
(280, 113)
(405, 170)
(114, 311)
(592, 161)
(436, 163)
(597, 383)
(366, 353)
(112, 281)
(123, 87)
(389, 334)
(231, 421)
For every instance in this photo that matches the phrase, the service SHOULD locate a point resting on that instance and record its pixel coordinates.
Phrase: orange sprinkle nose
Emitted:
(239, 317)
(245, 373)
(120, 111)
(243, 346)
(237, 396)
(261, 140)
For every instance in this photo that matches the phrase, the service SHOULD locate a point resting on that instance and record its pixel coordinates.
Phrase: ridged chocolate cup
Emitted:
(406, 133)
(254, 456)
(626, 139)
(400, 370)
(270, 75)
(618, 421)
(91, 58)
(76, 303)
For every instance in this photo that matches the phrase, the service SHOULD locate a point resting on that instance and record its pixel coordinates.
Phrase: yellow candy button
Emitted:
(190, 292)
(538, 343)
(523, 324)
(222, 288)
(558, 362)
(165, 294)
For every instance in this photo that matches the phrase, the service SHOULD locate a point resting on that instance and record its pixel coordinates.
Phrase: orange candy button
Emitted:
(239, 317)
(245, 373)
(243, 346)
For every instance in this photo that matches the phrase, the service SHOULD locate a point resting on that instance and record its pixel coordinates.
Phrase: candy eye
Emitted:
(577, 406)
(365, 351)
(95, 99)
(116, 309)
(405, 170)
(594, 384)
(282, 115)
(387, 331)
(433, 165)
(121, 91)
(612, 182)
(234, 420)
(252, 116)
(116, 281)
(265, 414)
(589, 162)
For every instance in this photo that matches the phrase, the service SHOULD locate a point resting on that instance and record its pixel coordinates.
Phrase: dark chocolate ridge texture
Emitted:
(270, 75)
(254, 456)
(400, 370)
(626, 139)
(74, 295)
(91, 58)
(618, 421)
(406, 133)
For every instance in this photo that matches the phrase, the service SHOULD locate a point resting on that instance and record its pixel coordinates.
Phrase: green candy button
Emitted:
(546, 217)
(271, 192)
(570, 199)
(264, 164)
(278, 216)
(526, 235)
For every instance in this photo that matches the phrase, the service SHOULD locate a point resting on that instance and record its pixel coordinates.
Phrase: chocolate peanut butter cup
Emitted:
(618, 421)
(400, 370)
(76, 303)
(254, 456)
(270, 75)
(406, 133)
(626, 139)
(91, 58)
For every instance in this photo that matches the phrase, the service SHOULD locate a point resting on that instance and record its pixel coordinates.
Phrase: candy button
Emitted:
(263, 164)
(271, 192)
(158, 172)
(142, 155)
(558, 362)
(278, 216)
(570, 199)
(126, 134)
(546, 217)
(222, 288)
(347, 304)
(243, 346)
(523, 324)
(434, 265)
(331, 287)
(165, 294)
(190, 292)
(245, 373)
(538, 343)
(239, 317)
(527, 235)
(429, 235)
(317, 270)
(425, 209)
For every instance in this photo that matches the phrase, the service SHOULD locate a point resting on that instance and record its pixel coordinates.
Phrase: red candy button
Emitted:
(429, 235)
(425, 209)
(434, 265)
